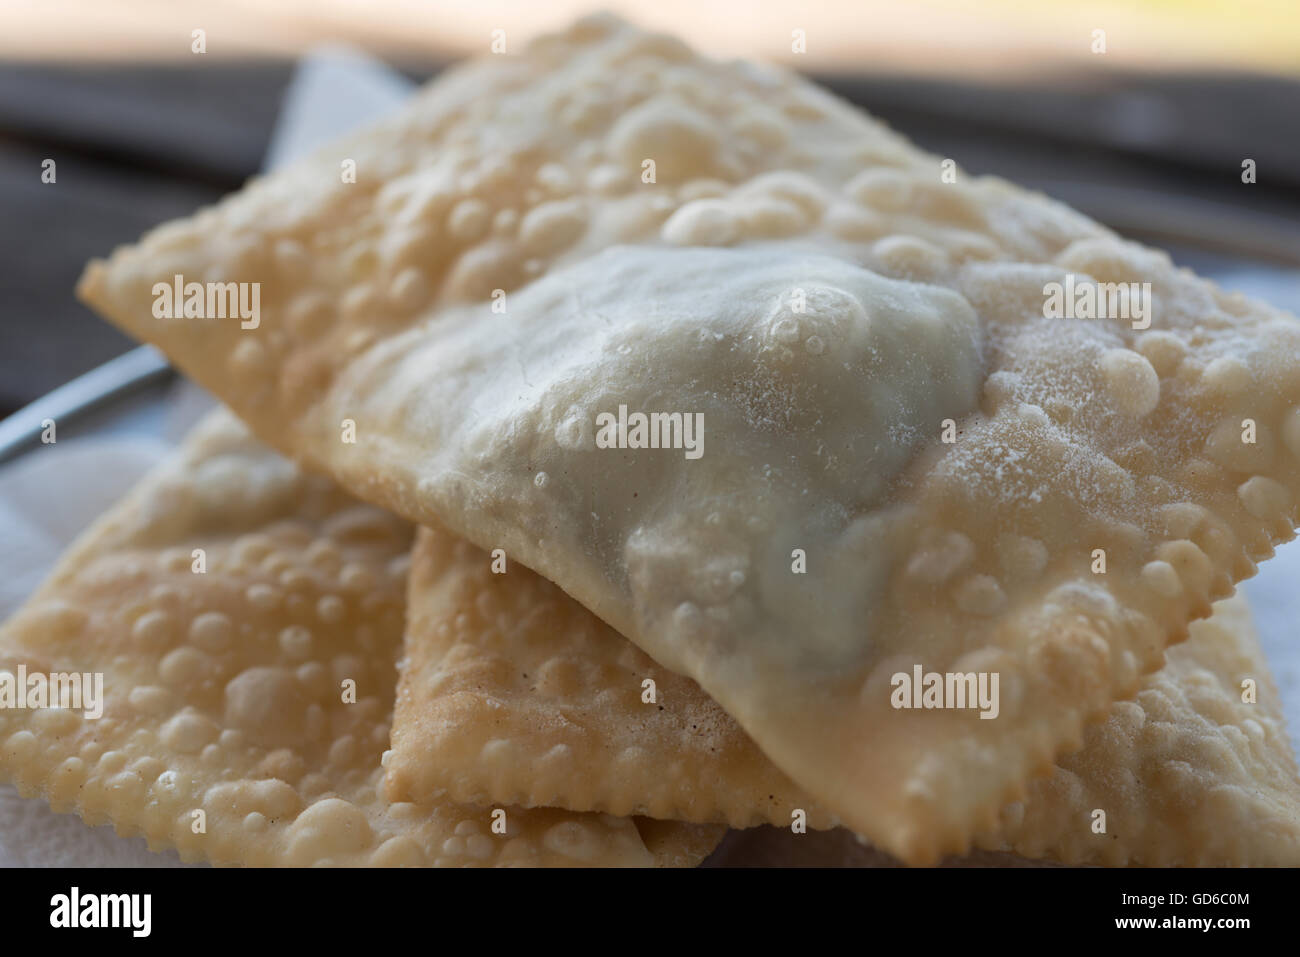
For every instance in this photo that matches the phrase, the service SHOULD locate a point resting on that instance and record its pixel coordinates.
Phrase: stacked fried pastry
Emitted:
(608, 649)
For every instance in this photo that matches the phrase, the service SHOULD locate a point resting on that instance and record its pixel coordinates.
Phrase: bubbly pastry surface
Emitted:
(906, 462)
(1188, 773)
(224, 690)
(511, 691)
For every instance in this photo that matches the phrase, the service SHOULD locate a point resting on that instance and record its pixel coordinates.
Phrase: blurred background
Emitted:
(1148, 136)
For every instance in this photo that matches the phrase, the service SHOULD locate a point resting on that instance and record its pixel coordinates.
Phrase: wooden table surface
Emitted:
(136, 146)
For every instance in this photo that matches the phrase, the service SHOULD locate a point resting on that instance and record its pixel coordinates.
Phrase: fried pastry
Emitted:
(246, 618)
(511, 691)
(943, 426)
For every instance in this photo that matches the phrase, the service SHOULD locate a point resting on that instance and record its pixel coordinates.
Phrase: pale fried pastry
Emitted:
(906, 461)
(511, 691)
(224, 688)
(1196, 771)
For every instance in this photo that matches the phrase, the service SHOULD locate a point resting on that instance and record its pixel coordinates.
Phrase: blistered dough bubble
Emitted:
(704, 222)
(1131, 381)
(681, 141)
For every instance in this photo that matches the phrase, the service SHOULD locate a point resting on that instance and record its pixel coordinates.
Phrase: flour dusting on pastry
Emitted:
(912, 460)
